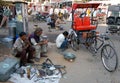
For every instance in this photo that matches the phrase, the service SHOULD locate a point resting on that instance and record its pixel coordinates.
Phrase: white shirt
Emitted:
(51, 11)
(56, 11)
(59, 40)
(62, 11)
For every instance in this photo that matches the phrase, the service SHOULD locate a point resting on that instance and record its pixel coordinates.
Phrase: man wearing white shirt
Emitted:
(51, 11)
(56, 11)
(61, 40)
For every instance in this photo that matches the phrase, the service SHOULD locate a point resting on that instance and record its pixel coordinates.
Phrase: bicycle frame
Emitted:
(102, 39)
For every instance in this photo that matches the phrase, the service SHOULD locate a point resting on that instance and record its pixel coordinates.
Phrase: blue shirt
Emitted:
(49, 19)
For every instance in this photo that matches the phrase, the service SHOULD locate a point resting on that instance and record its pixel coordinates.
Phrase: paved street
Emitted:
(86, 68)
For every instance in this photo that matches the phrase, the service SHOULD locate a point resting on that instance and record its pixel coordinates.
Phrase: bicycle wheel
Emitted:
(74, 43)
(109, 57)
(93, 47)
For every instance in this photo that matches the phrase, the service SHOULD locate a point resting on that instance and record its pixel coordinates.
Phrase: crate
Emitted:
(8, 42)
(7, 67)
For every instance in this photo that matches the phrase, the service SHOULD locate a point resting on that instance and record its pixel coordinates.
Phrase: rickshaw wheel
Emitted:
(74, 42)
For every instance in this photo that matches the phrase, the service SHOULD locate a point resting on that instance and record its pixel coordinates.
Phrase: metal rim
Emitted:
(109, 58)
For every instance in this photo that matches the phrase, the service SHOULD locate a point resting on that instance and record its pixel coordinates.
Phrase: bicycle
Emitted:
(108, 54)
(95, 43)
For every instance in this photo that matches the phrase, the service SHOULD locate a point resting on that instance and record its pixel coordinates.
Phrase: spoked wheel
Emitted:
(93, 47)
(109, 57)
(74, 43)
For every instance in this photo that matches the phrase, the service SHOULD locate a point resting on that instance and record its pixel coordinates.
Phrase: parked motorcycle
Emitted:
(40, 17)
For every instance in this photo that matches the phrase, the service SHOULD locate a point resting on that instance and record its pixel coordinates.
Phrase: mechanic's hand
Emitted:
(45, 41)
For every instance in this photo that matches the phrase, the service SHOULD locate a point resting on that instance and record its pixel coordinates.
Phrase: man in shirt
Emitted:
(38, 43)
(5, 18)
(61, 40)
(23, 46)
(58, 23)
(51, 21)
(51, 10)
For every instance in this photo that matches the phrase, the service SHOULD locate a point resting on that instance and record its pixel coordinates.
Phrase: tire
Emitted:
(74, 44)
(109, 58)
(93, 47)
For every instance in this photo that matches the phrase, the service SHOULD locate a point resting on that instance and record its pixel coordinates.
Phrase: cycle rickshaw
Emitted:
(84, 32)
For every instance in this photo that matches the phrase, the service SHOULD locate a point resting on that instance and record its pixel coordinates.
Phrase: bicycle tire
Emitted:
(74, 44)
(93, 46)
(109, 58)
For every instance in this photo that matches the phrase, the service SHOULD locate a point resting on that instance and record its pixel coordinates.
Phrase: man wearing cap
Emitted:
(38, 43)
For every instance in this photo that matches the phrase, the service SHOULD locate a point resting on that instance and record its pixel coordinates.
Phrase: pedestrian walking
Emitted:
(5, 19)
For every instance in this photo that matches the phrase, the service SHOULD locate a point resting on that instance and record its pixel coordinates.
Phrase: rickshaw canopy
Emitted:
(85, 5)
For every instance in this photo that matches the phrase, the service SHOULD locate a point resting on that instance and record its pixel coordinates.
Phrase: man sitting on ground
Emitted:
(38, 43)
(61, 40)
(51, 21)
(58, 23)
(23, 46)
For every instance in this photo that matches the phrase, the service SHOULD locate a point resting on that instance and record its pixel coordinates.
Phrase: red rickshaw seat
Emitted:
(78, 21)
(83, 24)
(84, 28)
(86, 21)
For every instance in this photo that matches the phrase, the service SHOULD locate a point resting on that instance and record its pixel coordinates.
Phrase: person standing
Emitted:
(38, 43)
(6, 14)
(1, 13)
(51, 11)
